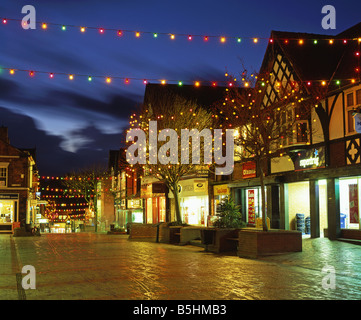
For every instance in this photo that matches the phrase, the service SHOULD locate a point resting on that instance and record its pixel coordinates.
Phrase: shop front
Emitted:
(194, 201)
(154, 194)
(8, 211)
(135, 212)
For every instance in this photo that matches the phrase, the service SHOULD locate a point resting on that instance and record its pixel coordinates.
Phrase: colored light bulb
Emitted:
(172, 36)
(71, 77)
(90, 78)
(137, 34)
(120, 32)
(51, 75)
(239, 40)
(180, 83)
(82, 29)
(190, 37)
(163, 82)
(63, 28)
(12, 71)
(109, 80)
(197, 84)
(44, 26)
(155, 35)
(5, 21)
(101, 30)
(145, 81)
(205, 38)
(31, 73)
(223, 39)
(255, 40)
(315, 41)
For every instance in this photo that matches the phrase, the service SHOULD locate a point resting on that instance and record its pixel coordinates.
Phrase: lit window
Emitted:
(3, 177)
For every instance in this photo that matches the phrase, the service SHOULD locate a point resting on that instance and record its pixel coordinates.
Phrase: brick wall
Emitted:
(257, 243)
(143, 231)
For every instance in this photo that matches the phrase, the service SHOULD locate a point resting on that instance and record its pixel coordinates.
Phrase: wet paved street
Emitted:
(99, 266)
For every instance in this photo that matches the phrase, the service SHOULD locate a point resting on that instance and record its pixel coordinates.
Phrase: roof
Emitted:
(319, 60)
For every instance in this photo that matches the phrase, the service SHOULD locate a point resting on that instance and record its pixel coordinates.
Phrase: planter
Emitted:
(147, 232)
(256, 242)
(189, 234)
(169, 233)
(21, 232)
(219, 240)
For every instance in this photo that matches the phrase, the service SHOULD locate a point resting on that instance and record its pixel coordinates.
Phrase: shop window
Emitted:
(302, 131)
(7, 210)
(349, 203)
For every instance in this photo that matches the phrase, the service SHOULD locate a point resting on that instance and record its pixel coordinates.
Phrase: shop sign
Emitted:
(357, 118)
(221, 190)
(199, 187)
(187, 188)
(249, 170)
(133, 204)
(158, 188)
(251, 207)
(310, 159)
(9, 196)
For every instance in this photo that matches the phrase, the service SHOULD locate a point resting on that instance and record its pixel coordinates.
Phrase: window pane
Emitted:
(302, 132)
(350, 99)
(350, 121)
(358, 96)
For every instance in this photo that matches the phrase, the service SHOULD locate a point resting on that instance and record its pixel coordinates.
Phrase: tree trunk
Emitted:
(175, 192)
(96, 211)
(263, 197)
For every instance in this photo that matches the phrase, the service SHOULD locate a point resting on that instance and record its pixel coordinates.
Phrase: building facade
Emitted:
(317, 177)
(18, 185)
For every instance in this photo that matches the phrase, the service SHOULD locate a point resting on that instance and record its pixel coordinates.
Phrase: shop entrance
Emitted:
(297, 207)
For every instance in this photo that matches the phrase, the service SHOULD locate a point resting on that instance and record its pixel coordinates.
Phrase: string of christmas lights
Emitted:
(127, 80)
(171, 35)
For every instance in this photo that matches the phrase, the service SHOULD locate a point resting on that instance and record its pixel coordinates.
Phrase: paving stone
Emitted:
(86, 266)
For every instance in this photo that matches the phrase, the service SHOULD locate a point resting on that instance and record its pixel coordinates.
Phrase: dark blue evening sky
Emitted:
(75, 123)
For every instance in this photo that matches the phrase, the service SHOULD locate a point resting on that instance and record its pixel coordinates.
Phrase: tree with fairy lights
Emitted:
(170, 115)
(87, 182)
(265, 126)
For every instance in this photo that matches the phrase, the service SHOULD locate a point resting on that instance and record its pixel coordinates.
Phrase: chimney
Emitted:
(4, 134)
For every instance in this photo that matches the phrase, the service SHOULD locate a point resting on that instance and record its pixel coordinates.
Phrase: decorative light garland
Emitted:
(171, 35)
(197, 83)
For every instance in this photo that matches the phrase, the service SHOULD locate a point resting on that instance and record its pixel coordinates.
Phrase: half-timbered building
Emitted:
(318, 176)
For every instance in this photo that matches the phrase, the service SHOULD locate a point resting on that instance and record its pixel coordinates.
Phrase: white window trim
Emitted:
(6, 166)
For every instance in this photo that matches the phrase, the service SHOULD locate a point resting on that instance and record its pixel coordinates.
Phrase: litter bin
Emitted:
(342, 221)
(300, 222)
